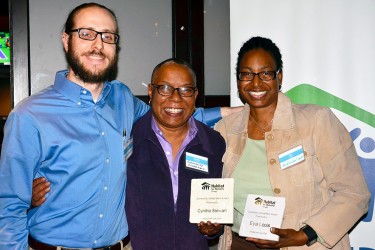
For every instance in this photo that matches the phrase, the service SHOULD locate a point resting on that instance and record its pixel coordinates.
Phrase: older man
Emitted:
(159, 175)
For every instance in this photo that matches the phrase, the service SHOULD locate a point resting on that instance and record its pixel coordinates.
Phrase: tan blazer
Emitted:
(327, 191)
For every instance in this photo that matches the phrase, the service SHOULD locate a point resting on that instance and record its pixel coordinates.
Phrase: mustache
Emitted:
(96, 53)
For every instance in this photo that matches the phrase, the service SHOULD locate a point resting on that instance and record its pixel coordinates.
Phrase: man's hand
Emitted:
(288, 238)
(40, 188)
(209, 229)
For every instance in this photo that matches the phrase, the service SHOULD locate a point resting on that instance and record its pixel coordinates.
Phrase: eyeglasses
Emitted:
(264, 75)
(166, 90)
(90, 35)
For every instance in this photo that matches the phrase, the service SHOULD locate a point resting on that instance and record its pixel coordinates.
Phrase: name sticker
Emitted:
(196, 162)
(291, 157)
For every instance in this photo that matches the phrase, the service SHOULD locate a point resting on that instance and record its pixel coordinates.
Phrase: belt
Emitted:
(36, 245)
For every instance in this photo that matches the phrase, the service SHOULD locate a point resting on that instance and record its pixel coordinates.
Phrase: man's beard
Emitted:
(91, 75)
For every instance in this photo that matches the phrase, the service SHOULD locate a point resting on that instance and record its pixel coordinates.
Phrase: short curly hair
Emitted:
(260, 43)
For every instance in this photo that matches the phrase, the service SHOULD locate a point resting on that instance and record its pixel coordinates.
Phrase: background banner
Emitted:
(328, 49)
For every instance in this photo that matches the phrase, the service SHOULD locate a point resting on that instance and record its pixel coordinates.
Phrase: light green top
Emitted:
(250, 177)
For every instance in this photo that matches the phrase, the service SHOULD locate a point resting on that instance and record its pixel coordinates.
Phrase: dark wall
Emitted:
(4, 16)
(4, 79)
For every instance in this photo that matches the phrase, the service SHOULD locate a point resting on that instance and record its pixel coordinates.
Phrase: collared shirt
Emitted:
(78, 145)
(167, 148)
(154, 223)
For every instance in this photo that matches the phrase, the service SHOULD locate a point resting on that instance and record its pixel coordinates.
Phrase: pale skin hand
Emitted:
(40, 188)
(209, 229)
(288, 238)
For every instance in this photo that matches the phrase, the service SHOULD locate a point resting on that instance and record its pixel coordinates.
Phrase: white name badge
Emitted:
(196, 162)
(261, 213)
(291, 157)
(211, 199)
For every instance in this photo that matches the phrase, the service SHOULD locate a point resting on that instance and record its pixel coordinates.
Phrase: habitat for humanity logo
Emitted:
(212, 187)
(265, 203)
(306, 93)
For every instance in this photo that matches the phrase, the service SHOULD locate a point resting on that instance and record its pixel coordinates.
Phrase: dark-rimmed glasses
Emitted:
(264, 75)
(166, 90)
(90, 35)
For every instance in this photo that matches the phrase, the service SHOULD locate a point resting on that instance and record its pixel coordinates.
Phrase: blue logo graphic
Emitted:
(367, 145)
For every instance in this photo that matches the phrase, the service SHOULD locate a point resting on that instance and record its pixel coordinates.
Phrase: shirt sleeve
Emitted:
(140, 108)
(20, 151)
(338, 160)
(209, 116)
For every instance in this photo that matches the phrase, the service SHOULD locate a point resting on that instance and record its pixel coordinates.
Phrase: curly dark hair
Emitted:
(260, 43)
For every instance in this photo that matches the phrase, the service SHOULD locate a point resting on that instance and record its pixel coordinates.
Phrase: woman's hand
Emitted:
(40, 188)
(288, 238)
(209, 229)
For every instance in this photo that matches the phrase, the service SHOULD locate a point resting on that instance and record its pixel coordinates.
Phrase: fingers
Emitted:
(39, 184)
(38, 181)
(209, 228)
(40, 188)
(37, 202)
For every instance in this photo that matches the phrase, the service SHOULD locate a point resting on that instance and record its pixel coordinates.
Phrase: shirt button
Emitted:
(175, 173)
(84, 92)
(276, 190)
(105, 188)
(272, 161)
(102, 133)
(107, 160)
(167, 153)
(101, 215)
(79, 103)
(270, 137)
(95, 242)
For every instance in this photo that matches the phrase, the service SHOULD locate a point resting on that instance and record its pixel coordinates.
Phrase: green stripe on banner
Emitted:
(306, 93)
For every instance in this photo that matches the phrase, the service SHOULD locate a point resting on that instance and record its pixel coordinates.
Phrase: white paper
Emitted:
(261, 213)
(211, 200)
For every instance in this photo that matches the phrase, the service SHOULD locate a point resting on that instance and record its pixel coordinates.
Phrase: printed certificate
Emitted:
(211, 200)
(261, 213)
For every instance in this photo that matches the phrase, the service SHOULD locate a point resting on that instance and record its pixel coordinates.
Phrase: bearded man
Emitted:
(75, 134)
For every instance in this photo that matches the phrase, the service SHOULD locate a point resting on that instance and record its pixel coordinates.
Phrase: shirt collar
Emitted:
(192, 127)
(72, 90)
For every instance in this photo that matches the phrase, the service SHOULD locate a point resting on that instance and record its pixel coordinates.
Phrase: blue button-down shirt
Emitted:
(78, 145)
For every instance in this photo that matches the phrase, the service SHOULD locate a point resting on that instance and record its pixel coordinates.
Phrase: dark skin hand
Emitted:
(288, 238)
(209, 229)
(40, 188)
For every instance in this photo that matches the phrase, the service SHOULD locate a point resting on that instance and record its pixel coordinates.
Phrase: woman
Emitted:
(325, 193)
